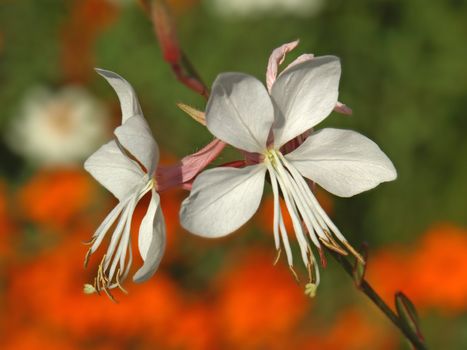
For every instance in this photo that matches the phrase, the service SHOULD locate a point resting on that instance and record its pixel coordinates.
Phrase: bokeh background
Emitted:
(405, 77)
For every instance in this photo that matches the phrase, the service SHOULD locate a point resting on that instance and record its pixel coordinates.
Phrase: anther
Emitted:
(86, 258)
(294, 274)
(89, 289)
(111, 297)
(333, 247)
(90, 241)
(96, 286)
(354, 252)
(329, 236)
(117, 279)
(310, 289)
(277, 257)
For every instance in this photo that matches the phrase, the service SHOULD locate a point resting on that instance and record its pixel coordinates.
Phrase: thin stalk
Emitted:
(368, 290)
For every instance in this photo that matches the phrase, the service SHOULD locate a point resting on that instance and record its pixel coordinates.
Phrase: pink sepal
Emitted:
(188, 167)
(187, 185)
(342, 108)
(235, 164)
(276, 58)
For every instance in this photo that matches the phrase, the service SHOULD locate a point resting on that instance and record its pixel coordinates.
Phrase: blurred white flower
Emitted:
(249, 8)
(58, 128)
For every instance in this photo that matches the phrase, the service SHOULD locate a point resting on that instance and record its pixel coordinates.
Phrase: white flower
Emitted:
(243, 114)
(248, 8)
(57, 128)
(126, 167)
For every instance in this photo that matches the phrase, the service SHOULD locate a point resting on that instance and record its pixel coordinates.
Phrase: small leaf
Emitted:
(359, 268)
(407, 313)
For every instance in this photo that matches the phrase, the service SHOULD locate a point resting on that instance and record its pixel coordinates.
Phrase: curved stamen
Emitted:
(292, 209)
(306, 213)
(316, 207)
(283, 231)
(108, 276)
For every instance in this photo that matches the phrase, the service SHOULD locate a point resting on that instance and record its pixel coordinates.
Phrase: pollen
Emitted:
(89, 289)
(310, 289)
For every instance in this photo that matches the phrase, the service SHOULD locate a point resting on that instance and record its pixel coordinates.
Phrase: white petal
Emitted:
(146, 229)
(151, 240)
(136, 137)
(240, 111)
(127, 96)
(305, 94)
(222, 200)
(115, 171)
(106, 224)
(343, 162)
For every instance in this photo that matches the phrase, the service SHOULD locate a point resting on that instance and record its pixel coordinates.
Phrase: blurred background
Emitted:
(404, 76)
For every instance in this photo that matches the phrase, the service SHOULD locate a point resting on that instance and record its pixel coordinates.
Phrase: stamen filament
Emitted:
(294, 216)
(108, 276)
(283, 231)
(319, 210)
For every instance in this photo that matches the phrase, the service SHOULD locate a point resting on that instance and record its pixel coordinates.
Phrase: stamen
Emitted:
(331, 246)
(109, 294)
(310, 289)
(117, 278)
(91, 241)
(278, 255)
(282, 229)
(86, 257)
(329, 236)
(290, 204)
(310, 273)
(89, 289)
(303, 191)
(294, 274)
(306, 214)
(116, 236)
(354, 252)
(277, 215)
(298, 198)
(322, 216)
(96, 286)
(316, 268)
(106, 224)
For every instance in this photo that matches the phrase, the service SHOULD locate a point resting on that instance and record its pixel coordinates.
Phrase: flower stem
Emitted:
(368, 290)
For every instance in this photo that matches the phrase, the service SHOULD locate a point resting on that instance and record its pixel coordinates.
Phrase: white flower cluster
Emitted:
(273, 127)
